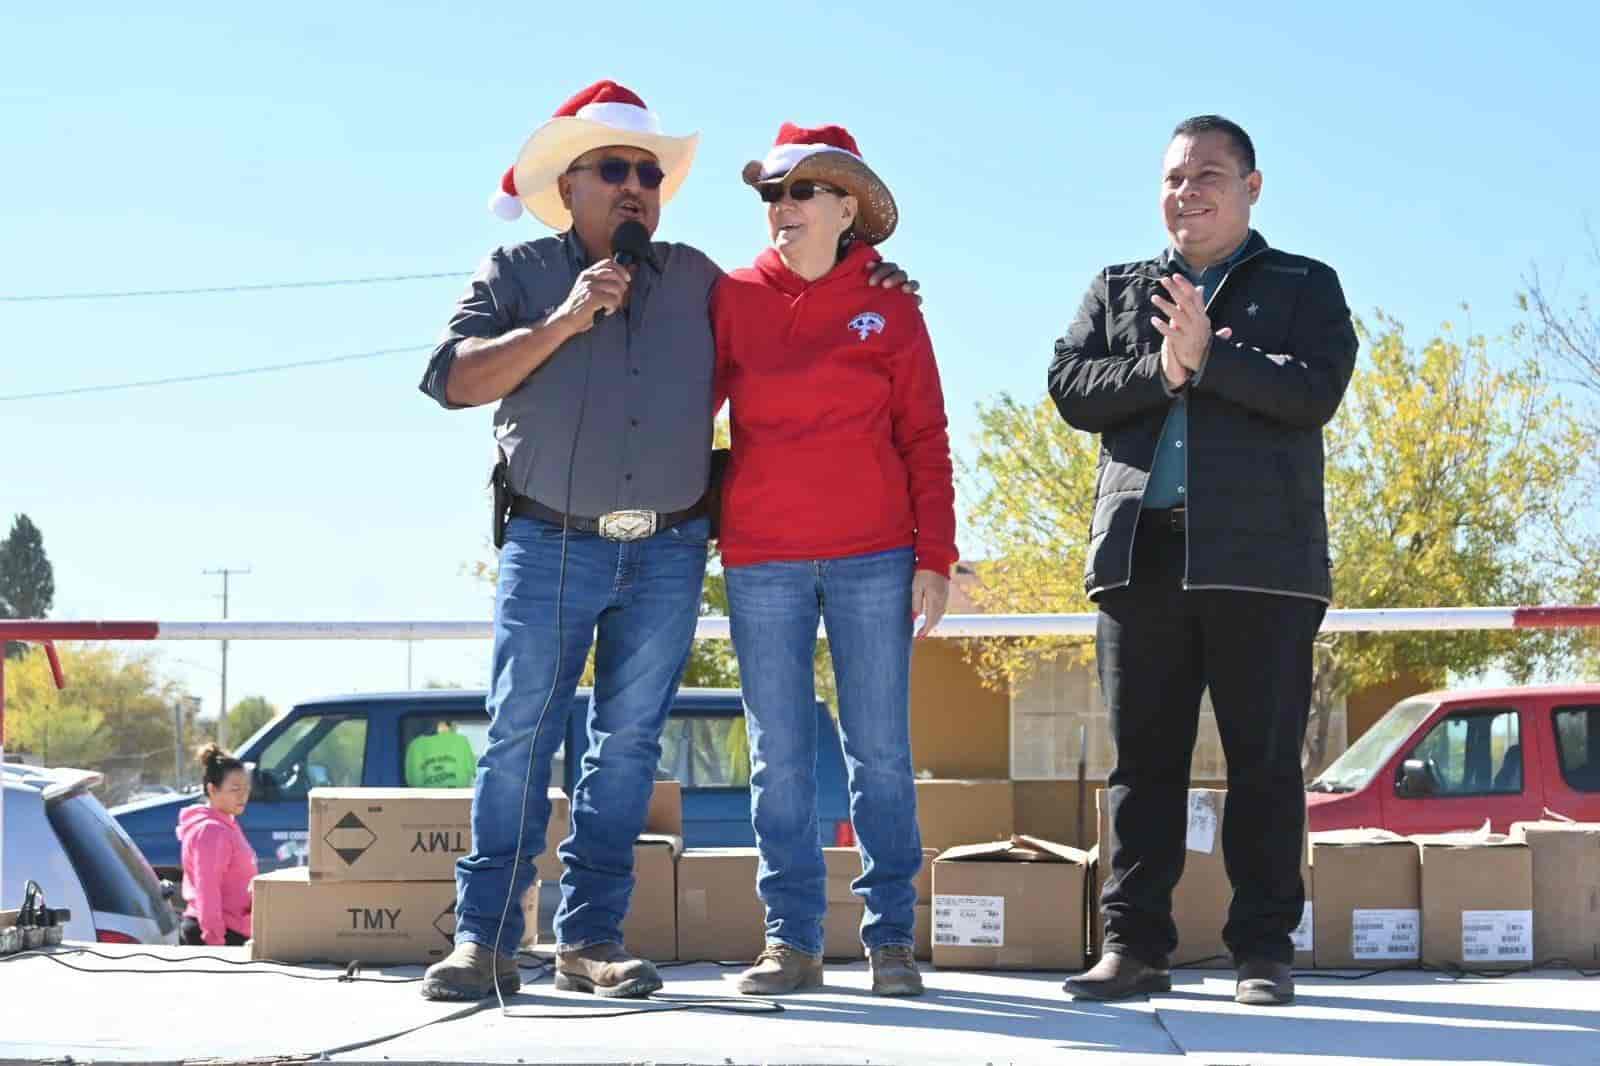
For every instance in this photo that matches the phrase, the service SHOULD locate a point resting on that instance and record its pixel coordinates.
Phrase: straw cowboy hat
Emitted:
(829, 154)
(600, 116)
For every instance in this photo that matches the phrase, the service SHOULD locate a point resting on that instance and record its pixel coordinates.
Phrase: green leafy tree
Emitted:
(1031, 491)
(249, 715)
(27, 581)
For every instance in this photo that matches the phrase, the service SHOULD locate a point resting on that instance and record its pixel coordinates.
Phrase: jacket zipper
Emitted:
(1186, 505)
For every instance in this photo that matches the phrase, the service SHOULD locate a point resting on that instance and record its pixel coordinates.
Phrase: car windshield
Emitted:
(1374, 748)
(115, 875)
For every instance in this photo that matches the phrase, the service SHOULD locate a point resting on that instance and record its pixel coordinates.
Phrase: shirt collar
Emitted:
(1180, 264)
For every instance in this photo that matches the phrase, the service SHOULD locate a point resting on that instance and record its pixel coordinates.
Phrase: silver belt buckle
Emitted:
(627, 525)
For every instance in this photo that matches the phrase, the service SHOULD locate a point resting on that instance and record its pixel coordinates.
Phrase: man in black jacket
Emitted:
(1209, 372)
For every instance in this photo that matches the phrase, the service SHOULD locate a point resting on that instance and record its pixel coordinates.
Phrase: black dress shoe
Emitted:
(1264, 984)
(1118, 977)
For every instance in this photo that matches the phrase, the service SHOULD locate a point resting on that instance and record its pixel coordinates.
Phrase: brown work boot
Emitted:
(1119, 977)
(605, 970)
(894, 971)
(781, 969)
(470, 972)
(1263, 983)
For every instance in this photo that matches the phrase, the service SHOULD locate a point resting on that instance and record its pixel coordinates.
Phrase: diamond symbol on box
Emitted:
(446, 923)
(350, 838)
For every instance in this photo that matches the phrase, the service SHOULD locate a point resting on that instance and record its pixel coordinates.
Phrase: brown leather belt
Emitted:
(615, 525)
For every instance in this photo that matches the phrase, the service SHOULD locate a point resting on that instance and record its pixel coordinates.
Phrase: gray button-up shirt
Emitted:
(633, 393)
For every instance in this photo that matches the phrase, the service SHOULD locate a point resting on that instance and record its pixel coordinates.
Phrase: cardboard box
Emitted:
(953, 812)
(1369, 899)
(650, 929)
(922, 931)
(388, 834)
(1200, 902)
(1009, 905)
(406, 834)
(1477, 901)
(1566, 890)
(841, 927)
(665, 815)
(297, 919)
(720, 917)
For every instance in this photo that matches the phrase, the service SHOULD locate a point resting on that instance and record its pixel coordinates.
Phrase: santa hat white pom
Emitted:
(600, 116)
(505, 203)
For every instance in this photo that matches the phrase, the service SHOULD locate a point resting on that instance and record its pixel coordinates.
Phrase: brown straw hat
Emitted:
(829, 154)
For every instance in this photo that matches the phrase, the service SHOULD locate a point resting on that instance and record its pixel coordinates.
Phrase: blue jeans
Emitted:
(637, 602)
(865, 603)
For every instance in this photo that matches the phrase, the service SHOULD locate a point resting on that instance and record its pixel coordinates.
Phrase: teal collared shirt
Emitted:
(1168, 471)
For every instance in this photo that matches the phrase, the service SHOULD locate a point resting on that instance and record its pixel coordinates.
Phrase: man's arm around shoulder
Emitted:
(1093, 386)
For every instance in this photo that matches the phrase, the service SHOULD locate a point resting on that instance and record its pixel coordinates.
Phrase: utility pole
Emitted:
(222, 712)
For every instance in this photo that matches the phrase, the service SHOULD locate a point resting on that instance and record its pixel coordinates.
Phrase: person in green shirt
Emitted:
(442, 759)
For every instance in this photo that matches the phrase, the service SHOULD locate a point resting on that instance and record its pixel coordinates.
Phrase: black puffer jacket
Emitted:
(1254, 486)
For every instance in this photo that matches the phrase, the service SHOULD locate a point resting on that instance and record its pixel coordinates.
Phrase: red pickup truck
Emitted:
(1443, 761)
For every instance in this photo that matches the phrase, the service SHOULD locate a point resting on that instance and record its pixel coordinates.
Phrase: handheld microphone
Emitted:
(630, 246)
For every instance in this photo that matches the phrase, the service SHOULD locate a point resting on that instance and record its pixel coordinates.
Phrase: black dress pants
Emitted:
(1158, 648)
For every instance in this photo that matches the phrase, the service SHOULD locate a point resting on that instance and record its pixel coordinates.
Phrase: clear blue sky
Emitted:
(1430, 152)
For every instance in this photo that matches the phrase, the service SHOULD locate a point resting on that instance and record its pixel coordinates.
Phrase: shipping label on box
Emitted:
(969, 921)
(1385, 934)
(1009, 905)
(1205, 816)
(1496, 936)
(1303, 936)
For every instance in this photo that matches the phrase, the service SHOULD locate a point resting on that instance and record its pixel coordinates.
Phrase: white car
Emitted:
(57, 833)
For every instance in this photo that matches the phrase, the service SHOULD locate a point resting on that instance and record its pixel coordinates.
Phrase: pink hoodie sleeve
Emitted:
(210, 846)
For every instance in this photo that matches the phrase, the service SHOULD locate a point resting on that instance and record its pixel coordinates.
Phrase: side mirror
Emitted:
(1415, 779)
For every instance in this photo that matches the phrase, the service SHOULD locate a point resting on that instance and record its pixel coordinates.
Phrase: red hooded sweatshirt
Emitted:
(218, 866)
(840, 444)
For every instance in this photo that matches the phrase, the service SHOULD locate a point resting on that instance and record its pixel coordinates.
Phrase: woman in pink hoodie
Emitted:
(218, 862)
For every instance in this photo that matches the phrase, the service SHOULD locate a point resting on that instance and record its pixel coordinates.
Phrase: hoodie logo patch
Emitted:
(866, 324)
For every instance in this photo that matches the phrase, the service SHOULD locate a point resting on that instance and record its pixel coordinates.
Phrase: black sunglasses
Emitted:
(614, 171)
(800, 191)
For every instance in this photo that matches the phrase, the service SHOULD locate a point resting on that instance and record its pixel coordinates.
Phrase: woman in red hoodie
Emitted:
(839, 505)
(218, 862)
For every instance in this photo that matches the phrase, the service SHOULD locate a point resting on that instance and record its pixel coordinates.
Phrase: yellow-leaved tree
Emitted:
(1451, 481)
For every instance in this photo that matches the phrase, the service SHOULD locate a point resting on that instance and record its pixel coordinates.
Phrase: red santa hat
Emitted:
(603, 115)
(829, 154)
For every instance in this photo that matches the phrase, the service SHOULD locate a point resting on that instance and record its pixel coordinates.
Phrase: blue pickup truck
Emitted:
(363, 740)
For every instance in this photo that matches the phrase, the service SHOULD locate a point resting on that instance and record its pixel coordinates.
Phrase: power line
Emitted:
(212, 376)
(217, 289)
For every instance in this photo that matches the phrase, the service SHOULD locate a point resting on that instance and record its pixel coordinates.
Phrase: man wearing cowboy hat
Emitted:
(602, 373)
(1209, 372)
